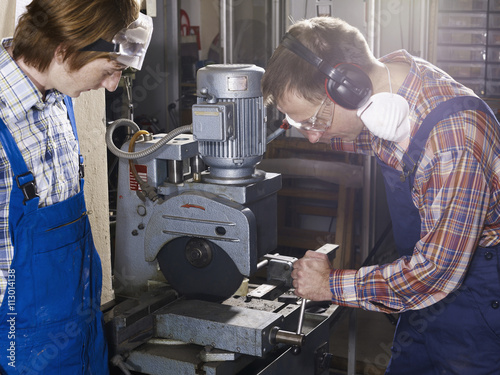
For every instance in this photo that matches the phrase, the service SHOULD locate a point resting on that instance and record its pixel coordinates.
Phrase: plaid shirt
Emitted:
(44, 135)
(456, 190)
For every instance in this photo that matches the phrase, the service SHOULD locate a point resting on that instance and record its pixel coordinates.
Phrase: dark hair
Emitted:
(332, 39)
(72, 25)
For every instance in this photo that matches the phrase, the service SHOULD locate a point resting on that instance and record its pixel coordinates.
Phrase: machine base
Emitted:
(228, 338)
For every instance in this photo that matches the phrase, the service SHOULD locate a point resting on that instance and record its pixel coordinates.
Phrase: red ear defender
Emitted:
(350, 88)
(346, 84)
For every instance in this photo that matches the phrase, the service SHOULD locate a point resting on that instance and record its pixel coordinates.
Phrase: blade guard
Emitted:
(204, 215)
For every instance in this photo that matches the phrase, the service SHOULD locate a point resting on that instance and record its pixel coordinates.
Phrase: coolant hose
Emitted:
(148, 151)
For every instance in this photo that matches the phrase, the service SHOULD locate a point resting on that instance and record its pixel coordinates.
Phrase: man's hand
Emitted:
(311, 277)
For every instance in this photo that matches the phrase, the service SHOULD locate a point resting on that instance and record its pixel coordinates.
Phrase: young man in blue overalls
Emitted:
(438, 146)
(50, 272)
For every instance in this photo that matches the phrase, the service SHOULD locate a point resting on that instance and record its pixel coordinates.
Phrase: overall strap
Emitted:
(404, 215)
(71, 114)
(22, 176)
(442, 111)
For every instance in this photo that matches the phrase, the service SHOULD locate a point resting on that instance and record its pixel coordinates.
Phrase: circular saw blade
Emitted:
(199, 269)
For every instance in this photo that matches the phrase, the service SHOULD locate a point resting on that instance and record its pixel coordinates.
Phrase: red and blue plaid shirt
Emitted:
(456, 190)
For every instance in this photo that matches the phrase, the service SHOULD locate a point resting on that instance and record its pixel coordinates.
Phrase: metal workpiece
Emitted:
(221, 326)
(329, 249)
(267, 291)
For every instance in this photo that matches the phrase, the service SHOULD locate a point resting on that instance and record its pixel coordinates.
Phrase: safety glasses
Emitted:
(130, 44)
(320, 121)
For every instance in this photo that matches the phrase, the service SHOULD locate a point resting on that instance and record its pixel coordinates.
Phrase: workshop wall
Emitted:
(90, 118)
(91, 123)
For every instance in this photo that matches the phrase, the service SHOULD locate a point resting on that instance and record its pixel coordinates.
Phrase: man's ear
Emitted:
(59, 54)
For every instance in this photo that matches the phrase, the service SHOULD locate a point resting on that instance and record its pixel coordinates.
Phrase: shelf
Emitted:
(469, 43)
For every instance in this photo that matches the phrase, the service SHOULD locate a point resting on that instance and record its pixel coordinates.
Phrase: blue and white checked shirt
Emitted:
(44, 135)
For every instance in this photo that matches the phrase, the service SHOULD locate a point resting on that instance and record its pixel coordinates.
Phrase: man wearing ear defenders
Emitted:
(438, 146)
(50, 272)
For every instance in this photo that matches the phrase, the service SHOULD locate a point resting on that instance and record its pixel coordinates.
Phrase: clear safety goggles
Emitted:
(320, 121)
(130, 44)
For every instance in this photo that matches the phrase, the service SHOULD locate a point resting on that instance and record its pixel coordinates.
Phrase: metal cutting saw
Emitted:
(196, 222)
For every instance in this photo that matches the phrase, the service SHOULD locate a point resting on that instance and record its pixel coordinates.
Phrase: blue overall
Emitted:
(50, 318)
(461, 333)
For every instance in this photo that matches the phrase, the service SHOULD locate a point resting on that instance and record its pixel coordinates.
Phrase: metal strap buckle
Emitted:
(81, 168)
(406, 171)
(28, 188)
